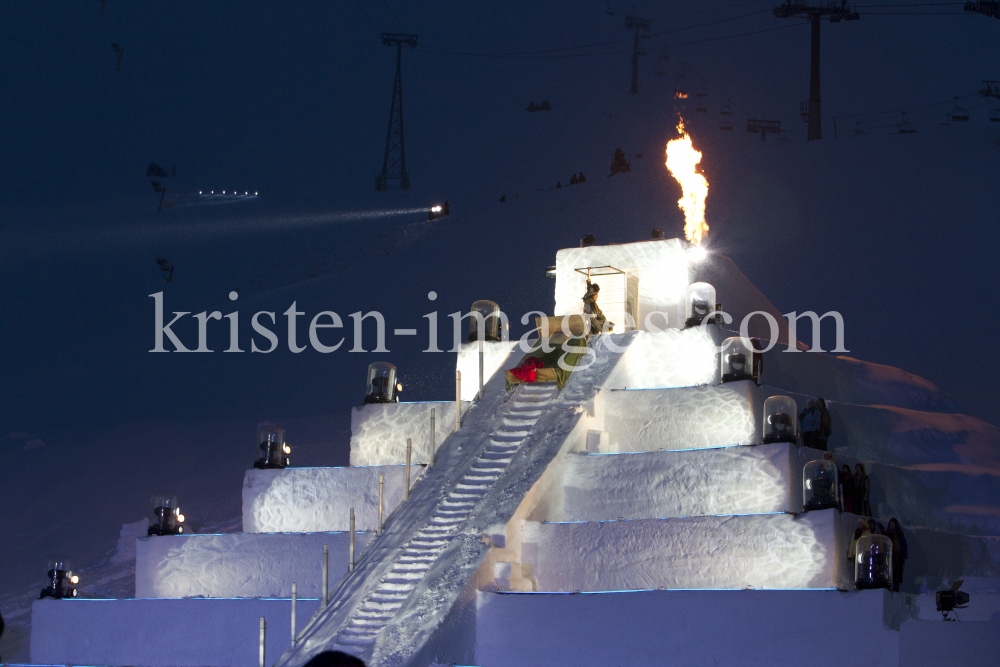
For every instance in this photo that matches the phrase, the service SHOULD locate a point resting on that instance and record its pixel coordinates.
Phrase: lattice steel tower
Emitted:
(634, 23)
(394, 162)
(834, 11)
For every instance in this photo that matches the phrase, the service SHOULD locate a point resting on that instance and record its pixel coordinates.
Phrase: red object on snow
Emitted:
(528, 371)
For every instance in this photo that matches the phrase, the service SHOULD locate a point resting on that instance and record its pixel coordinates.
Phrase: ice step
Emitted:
(346, 640)
(399, 588)
(491, 473)
(358, 633)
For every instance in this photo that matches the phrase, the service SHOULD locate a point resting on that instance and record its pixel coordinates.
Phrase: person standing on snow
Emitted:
(899, 554)
(825, 424)
(860, 530)
(847, 486)
(809, 424)
(598, 322)
(862, 491)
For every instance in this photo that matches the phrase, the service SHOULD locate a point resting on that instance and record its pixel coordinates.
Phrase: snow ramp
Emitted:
(407, 580)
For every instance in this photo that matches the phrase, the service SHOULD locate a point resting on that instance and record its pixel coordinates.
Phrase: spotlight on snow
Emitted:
(382, 386)
(698, 303)
(60, 581)
(682, 161)
(271, 449)
(165, 516)
(697, 253)
(820, 487)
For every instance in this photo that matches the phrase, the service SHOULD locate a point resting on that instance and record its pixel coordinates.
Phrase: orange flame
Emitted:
(680, 95)
(682, 160)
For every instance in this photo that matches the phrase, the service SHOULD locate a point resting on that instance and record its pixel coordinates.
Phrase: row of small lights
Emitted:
(224, 192)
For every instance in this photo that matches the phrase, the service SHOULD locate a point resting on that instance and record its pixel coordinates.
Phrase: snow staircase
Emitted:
(420, 553)
(409, 579)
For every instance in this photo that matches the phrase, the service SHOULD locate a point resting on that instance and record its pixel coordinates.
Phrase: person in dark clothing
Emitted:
(825, 424)
(598, 322)
(582, 179)
(899, 552)
(334, 659)
(809, 424)
(503, 198)
(847, 487)
(875, 527)
(573, 180)
(862, 491)
(558, 184)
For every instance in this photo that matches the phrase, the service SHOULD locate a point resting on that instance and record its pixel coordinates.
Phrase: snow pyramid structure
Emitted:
(632, 514)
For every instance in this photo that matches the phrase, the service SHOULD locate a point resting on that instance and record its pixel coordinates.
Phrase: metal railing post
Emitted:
(430, 462)
(381, 487)
(263, 635)
(406, 483)
(295, 602)
(480, 368)
(350, 565)
(326, 576)
(458, 400)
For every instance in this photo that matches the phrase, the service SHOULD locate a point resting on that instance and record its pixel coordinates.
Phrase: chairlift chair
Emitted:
(858, 132)
(609, 11)
(906, 127)
(959, 114)
(702, 90)
(947, 122)
(727, 125)
(804, 111)
(783, 139)
(995, 115)
(701, 108)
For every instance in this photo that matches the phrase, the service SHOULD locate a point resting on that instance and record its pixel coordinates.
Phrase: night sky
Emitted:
(896, 232)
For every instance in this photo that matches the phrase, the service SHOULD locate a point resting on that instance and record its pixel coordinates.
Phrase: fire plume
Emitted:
(682, 161)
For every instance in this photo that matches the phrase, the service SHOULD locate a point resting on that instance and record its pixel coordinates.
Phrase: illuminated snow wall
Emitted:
(379, 431)
(495, 357)
(650, 485)
(672, 358)
(235, 565)
(304, 500)
(661, 267)
(684, 418)
(759, 551)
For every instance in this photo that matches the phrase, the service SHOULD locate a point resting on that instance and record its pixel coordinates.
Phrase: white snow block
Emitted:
(671, 358)
(760, 551)
(654, 485)
(235, 565)
(650, 420)
(495, 354)
(661, 267)
(656, 628)
(379, 431)
(162, 633)
(307, 500)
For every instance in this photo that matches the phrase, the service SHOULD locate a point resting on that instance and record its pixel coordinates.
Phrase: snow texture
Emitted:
(672, 358)
(684, 483)
(662, 269)
(379, 431)
(304, 500)
(654, 628)
(161, 633)
(932, 644)
(239, 565)
(494, 354)
(649, 420)
(759, 551)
